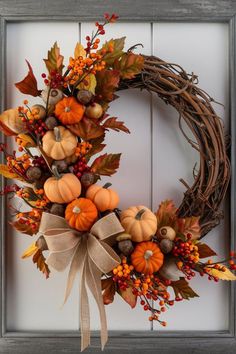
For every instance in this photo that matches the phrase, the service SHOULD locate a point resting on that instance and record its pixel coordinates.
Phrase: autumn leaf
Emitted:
(128, 296)
(97, 146)
(117, 46)
(89, 83)
(27, 141)
(107, 82)
(24, 228)
(113, 123)
(29, 84)
(86, 129)
(166, 214)
(106, 164)
(5, 172)
(55, 59)
(39, 260)
(191, 226)
(10, 122)
(30, 251)
(109, 290)
(217, 273)
(79, 51)
(182, 289)
(205, 251)
(129, 65)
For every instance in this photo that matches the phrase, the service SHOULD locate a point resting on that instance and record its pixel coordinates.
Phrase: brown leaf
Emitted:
(129, 65)
(55, 59)
(109, 288)
(117, 46)
(190, 226)
(106, 164)
(86, 129)
(107, 82)
(182, 288)
(166, 214)
(205, 251)
(10, 122)
(29, 84)
(97, 146)
(39, 260)
(128, 296)
(20, 226)
(113, 123)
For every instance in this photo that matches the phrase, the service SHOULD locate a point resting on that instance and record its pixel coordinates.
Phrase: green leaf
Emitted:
(129, 65)
(182, 288)
(117, 46)
(113, 123)
(204, 250)
(55, 59)
(107, 82)
(106, 164)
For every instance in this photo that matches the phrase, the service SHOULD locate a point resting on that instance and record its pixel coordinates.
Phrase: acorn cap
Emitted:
(123, 237)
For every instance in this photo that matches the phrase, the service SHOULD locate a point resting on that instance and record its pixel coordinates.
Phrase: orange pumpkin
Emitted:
(147, 258)
(69, 110)
(62, 188)
(139, 222)
(81, 214)
(103, 198)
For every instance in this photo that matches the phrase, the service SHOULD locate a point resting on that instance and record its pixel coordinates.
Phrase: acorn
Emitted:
(87, 179)
(61, 165)
(51, 122)
(167, 232)
(57, 209)
(84, 96)
(126, 247)
(94, 111)
(55, 96)
(33, 173)
(166, 245)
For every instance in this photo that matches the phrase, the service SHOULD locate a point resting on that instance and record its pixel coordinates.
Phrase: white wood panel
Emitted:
(203, 49)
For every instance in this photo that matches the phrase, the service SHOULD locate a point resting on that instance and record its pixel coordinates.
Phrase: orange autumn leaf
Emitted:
(128, 296)
(106, 164)
(107, 82)
(10, 122)
(54, 60)
(109, 290)
(86, 129)
(114, 49)
(113, 123)
(40, 261)
(190, 225)
(129, 65)
(29, 84)
(166, 214)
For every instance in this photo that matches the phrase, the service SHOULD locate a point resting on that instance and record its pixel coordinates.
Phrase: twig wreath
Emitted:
(144, 256)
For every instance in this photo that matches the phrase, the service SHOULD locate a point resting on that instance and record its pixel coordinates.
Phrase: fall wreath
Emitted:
(139, 254)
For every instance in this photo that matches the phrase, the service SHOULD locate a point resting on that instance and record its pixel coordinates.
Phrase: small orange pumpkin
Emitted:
(62, 188)
(69, 110)
(139, 222)
(81, 214)
(147, 258)
(103, 198)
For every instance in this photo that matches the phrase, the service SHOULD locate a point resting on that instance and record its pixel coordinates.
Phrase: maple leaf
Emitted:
(10, 122)
(55, 59)
(107, 82)
(205, 251)
(29, 84)
(129, 65)
(97, 146)
(39, 260)
(166, 214)
(109, 290)
(191, 226)
(182, 288)
(226, 275)
(86, 129)
(106, 164)
(117, 46)
(128, 296)
(113, 123)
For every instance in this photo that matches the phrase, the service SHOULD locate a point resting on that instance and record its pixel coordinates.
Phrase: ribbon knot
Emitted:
(88, 253)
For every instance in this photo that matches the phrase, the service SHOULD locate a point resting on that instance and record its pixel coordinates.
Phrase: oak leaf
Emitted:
(55, 59)
(113, 123)
(106, 164)
(114, 48)
(107, 82)
(182, 288)
(226, 275)
(129, 65)
(128, 296)
(205, 251)
(29, 84)
(86, 129)
(109, 290)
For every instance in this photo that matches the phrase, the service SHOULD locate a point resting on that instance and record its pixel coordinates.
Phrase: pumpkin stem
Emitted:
(107, 185)
(139, 214)
(55, 172)
(76, 210)
(148, 254)
(57, 134)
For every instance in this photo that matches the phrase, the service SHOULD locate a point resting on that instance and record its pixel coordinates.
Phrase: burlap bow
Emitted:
(90, 255)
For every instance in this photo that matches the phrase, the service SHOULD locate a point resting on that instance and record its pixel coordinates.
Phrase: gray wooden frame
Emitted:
(128, 10)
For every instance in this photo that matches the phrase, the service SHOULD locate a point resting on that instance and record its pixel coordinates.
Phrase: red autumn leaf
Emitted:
(106, 164)
(109, 288)
(97, 146)
(29, 84)
(128, 296)
(191, 226)
(86, 129)
(205, 251)
(55, 59)
(182, 289)
(39, 260)
(23, 228)
(107, 82)
(113, 123)
(166, 214)
(129, 65)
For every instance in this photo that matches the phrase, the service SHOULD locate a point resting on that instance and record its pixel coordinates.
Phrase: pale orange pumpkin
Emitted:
(147, 258)
(81, 214)
(69, 110)
(59, 143)
(103, 198)
(62, 188)
(140, 222)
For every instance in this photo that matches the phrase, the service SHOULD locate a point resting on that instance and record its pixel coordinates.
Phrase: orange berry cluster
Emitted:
(82, 149)
(31, 218)
(18, 164)
(186, 250)
(42, 200)
(122, 274)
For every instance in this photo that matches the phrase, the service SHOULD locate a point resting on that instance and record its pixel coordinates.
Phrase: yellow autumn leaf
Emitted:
(79, 51)
(89, 83)
(226, 275)
(30, 251)
(27, 141)
(4, 171)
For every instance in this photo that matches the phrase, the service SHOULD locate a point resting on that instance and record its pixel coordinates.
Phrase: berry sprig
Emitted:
(80, 167)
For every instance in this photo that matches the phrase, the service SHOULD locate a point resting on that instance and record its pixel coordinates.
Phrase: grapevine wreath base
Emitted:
(146, 257)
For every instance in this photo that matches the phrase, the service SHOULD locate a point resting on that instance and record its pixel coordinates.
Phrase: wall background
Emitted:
(154, 157)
